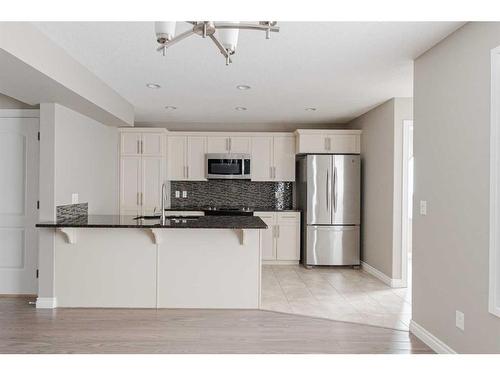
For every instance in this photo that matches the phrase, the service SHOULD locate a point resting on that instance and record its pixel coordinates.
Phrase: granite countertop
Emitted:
(117, 221)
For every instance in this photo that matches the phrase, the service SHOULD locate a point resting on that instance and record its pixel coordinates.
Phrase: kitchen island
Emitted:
(119, 261)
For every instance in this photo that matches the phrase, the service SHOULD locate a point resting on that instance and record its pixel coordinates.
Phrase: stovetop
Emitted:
(236, 211)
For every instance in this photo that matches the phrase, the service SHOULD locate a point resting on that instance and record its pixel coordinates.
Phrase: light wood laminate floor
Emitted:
(337, 293)
(24, 329)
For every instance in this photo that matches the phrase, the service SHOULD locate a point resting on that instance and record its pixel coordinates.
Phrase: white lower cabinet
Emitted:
(281, 240)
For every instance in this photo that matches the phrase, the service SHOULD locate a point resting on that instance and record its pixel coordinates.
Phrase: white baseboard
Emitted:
(428, 338)
(279, 262)
(46, 303)
(393, 283)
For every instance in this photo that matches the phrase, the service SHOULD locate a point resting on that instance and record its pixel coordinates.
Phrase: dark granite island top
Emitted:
(117, 221)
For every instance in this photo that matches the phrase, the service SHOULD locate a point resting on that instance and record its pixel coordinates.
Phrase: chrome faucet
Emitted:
(163, 196)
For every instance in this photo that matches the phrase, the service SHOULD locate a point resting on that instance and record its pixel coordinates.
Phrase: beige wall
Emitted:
(451, 144)
(6, 102)
(381, 152)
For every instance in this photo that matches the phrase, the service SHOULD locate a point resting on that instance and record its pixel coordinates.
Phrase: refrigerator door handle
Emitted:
(328, 192)
(335, 189)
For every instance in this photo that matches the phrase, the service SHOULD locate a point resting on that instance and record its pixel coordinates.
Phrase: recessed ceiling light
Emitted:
(311, 109)
(152, 86)
(170, 108)
(243, 87)
(241, 108)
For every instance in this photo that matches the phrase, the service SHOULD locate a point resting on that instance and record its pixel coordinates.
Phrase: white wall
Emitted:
(451, 146)
(381, 152)
(6, 102)
(86, 161)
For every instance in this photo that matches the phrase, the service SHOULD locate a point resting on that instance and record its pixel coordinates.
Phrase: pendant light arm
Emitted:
(247, 26)
(175, 40)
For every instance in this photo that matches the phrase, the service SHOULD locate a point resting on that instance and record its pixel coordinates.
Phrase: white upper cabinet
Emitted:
(217, 144)
(139, 142)
(273, 158)
(328, 141)
(261, 166)
(225, 144)
(130, 144)
(186, 158)
(196, 150)
(284, 158)
(239, 145)
(176, 158)
(152, 144)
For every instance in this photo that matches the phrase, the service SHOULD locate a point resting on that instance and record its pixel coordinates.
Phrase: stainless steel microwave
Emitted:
(228, 166)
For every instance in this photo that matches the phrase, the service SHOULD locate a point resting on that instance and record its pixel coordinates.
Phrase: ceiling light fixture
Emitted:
(310, 109)
(241, 108)
(243, 87)
(152, 86)
(223, 34)
(170, 108)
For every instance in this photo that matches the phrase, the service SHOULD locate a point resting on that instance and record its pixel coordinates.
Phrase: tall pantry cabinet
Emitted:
(142, 170)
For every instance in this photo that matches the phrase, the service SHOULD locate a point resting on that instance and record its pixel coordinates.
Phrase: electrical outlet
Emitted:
(423, 207)
(184, 194)
(177, 194)
(460, 320)
(74, 198)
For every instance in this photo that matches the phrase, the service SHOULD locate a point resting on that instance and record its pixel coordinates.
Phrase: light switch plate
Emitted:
(177, 194)
(184, 194)
(74, 198)
(460, 320)
(423, 207)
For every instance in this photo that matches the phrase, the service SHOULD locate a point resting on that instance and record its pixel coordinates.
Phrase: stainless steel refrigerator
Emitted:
(328, 193)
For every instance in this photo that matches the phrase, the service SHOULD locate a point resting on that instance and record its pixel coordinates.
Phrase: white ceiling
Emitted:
(341, 68)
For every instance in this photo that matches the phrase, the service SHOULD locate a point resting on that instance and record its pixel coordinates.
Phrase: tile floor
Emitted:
(341, 294)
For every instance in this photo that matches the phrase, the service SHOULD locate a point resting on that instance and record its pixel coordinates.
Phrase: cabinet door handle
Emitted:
(142, 147)
(274, 172)
(137, 199)
(326, 143)
(329, 144)
(270, 172)
(187, 171)
(230, 144)
(277, 231)
(227, 144)
(138, 147)
(142, 199)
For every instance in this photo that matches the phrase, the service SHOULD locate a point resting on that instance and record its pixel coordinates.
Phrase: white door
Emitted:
(262, 159)
(284, 158)
(217, 144)
(240, 145)
(130, 143)
(176, 158)
(344, 144)
(19, 164)
(152, 180)
(196, 150)
(152, 144)
(287, 242)
(130, 185)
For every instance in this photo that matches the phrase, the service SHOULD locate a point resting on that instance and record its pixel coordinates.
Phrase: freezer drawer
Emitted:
(332, 246)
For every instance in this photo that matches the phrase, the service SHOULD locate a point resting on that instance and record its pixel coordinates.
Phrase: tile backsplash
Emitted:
(70, 211)
(233, 193)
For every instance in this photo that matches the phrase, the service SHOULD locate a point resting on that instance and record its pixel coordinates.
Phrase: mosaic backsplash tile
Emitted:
(70, 211)
(233, 193)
